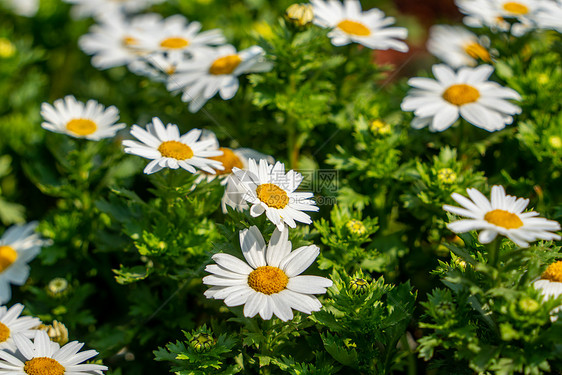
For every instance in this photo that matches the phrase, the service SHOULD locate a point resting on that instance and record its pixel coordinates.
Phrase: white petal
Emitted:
(309, 284)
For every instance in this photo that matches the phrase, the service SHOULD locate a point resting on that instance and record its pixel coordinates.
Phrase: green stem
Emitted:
(493, 252)
(411, 358)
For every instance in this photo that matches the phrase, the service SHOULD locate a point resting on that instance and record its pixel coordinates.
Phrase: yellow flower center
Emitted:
(354, 28)
(4, 333)
(7, 256)
(229, 160)
(476, 51)
(225, 65)
(461, 94)
(503, 219)
(175, 150)
(268, 280)
(553, 272)
(43, 366)
(129, 41)
(81, 126)
(174, 43)
(272, 195)
(515, 8)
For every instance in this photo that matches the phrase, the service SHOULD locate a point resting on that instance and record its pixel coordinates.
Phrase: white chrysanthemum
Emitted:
(175, 33)
(457, 46)
(91, 120)
(44, 357)
(270, 283)
(550, 284)
(115, 40)
(349, 24)
(11, 324)
(503, 214)
(496, 14)
(549, 15)
(267, 188)
(215, 71)
(101, 8)
(25, 8)
(466, 93)
(167, 149)
(18, 246)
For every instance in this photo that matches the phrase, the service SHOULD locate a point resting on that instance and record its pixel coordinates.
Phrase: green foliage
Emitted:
(127, 252)
(365, 325)
(191, 357)
(491, 318)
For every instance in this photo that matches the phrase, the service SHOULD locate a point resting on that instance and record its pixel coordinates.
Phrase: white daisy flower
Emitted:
(349, 24)
(175, 33)
(270, 281)
(115, 40)
(550, 284)
(503, 214)
(269, 189)
(25, 8)
(468, 93)
(216, 70)
(496, 14)
(233, 192)
(18, 246)
(11, 324)
(457, 46)
(549, 15)
(91, 120)
(100, 8)
(44, 357)
(167, 149)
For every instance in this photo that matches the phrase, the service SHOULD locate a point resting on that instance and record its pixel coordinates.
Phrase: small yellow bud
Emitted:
(356, 227)
(543, 79)
(359, 286)
(379, 127)
(555, 141)
(7, 48)
(202, 342)
(528, 305)
(300, 14)
(57, 332)
(263, 29)
(58, 287)
(446, 176)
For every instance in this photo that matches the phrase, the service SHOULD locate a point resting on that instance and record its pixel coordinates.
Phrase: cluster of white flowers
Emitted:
(271, 282)
(171, 50)
(517, 17)
(468, 92)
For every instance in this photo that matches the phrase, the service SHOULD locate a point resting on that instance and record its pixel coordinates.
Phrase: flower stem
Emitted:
(493, 252)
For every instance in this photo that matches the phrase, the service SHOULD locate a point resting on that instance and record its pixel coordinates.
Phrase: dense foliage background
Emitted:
(133, 247)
